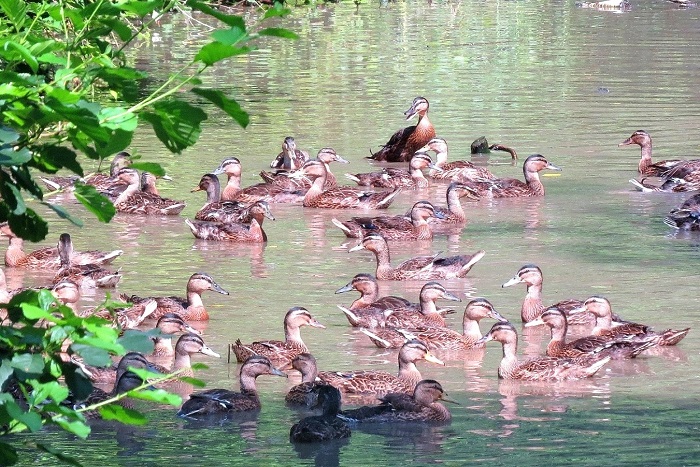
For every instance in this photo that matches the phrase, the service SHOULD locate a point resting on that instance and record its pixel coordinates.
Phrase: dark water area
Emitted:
(547, 78)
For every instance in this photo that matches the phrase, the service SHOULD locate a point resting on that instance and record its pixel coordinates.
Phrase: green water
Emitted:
(542, 77)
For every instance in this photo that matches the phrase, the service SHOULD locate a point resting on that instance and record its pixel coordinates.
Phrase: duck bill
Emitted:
(356, 248)
(167, 178)
(207, 351)
(276, 372)
(217, 288)
(497, 316)
(341, 160)
(435, 167)
(410, 113)
(578, 309)
(535, 322)
(316, 324)
(626, 142)
(484, 339)
(444, 398)
(513, 281)
(433, 359)
(195, 189)
(190, 329)
(345, 288)
(450, 297)
(217, 171)
(553, 167)
(472, 194)
(269, 215)
(439, 214)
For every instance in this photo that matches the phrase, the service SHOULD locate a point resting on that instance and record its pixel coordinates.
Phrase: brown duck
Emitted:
(404, 143)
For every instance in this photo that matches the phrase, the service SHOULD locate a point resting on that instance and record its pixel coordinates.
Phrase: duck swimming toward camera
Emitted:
(404, 143)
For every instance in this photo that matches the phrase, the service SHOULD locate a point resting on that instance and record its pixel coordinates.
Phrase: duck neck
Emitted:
(292, 335)
(163, 346)
(232, 188)
(183, 362)
(408, 372)
(194, 299)
(602, 323)
(310, 375)
(509, 361)
(423, 122)
(532, 306)
(558, 341)
(645, 161)
(315, 190)
(418, 177)
(248, 384)
(213, 193)
(384, 268)
(533, 182)
(15, 252)
(128, 193)
(366, 299)
(470, 328)
(454, 205)
(423, 230)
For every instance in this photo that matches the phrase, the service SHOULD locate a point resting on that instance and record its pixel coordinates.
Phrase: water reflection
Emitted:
(324, 454)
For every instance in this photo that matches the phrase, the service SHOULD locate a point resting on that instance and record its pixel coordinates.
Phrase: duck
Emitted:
(283, 181)
(398, 178)
(100, 181)
(304, 394)
(514, 188)
(453, 214)
(127, 317)
(539, 368)
(646, 167)
(134, 201)
(280, 351)
(369, 317)
(233, 169)
(238, 232)
(442, 338)
(190, 308)
(368, 287)
(532, 308)
(167, 325)
(85, 275)
(224, 401)
(187, 345)
(290, 158)
(419, 267)
(427, 314)
(324, 427)
(339, 197)
(415, 227)
(404, 143)
(686, 216)
(47, 258)
(455, 170)
(381, 382)
(423, 405)
(617, 347)
(601, 308)
(215, 210)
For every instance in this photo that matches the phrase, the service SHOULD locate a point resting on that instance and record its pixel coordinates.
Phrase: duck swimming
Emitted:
(419, 267)
(304, 393)
(455, 170)
(322, 427)
(290, 158)
(416, 227)
(283, 181)
(84, 275)
(684, 217)
(398, 178)
(404, 143)
(512, 187)
(134, 201)
(231, 166)
(235, 231)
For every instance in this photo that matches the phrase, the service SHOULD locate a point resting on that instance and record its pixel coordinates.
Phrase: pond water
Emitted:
(542, 77)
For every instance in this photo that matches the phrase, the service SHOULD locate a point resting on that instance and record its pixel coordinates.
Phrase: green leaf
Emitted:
(76, 427)
(16, 12)
(119, 119)
(198, 383)
(77, 382)
(59, 455)
(63, 214)
(12, 197)
(96, 203)
(136, 341)
(34, 312)
(157, 395)
(52, 158)
(230, 36)
(6, 48)
(8, 454)
(92, 355)
(231, 20)
(278, 32)
(152, 167)
(11, 156)
(29, 226)
(51, 389)
(31, 364)
(176, 123)
(200, 366)
(216, 51)
(140, 8)
(84, 116)
(121, 414)
(6, 371)
(122, 30)
(277, 10)
(229, 106)
(31, 420)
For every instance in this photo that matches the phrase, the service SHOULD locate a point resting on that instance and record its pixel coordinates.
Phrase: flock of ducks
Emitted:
(236, 214)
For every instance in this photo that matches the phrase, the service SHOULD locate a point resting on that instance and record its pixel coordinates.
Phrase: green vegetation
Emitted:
(68, 92)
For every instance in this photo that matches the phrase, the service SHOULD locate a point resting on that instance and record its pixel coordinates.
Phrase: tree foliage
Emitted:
(68, 92)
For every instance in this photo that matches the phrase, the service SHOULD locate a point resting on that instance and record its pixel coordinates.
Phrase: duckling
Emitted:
(322, 427)
(235, 231)
(190, 308)
(686, 216)
(368, 287)
(223, 401)
(304, 393)
(456, 170)
(281, 351)
(404, 143)
(512, 188)
(214, 209)
(100, 181)
(616, 347)
(231, 166)
(602, 310)
(421, 406)
(440, 337)
(290, 158)
(381, 382)
(325, 155)
(418, 268)
(393, 227)
(532, 307)
(85, 275)
(398, 178)
(47, 258)
(134, 201)
(339, 197)
(540, 368)
(168, 324)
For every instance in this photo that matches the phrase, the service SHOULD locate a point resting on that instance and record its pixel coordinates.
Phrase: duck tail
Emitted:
(673, 337)
(347, 230)
(639, 186)
(350, 315)
(593, 369)
(384, 203)
(378, 341)
(472, 261)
